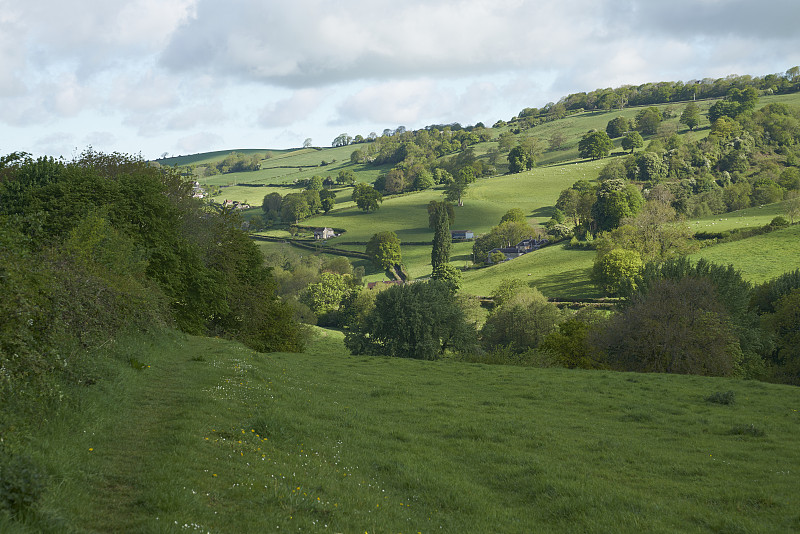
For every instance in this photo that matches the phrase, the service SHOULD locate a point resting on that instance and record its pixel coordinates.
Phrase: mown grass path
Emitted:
(215, 438)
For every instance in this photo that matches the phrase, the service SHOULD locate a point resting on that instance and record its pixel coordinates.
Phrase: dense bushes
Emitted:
(108, 243)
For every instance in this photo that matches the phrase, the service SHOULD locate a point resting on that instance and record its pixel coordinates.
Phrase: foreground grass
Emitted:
(215, 438)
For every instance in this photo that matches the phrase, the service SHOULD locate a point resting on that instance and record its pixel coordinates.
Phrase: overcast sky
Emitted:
(185, 76)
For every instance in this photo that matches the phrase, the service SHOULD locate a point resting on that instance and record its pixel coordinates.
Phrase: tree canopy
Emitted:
(422, 320)
(595, 145)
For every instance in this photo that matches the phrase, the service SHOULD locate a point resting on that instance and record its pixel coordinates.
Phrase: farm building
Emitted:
(462, 234)
(523, 247)
(324, 233)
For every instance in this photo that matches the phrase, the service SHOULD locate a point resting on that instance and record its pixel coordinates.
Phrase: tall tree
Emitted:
(442, 240)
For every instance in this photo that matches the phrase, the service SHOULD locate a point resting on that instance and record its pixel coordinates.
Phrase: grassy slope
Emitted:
(760, 258)
(215, 438)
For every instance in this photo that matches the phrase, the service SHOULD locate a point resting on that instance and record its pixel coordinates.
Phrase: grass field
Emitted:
(760, 258)
(211, 437)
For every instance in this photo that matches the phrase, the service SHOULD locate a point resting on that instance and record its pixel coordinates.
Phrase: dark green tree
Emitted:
(366, 197)
(328, 199)
(442, 239)
(521, 322)
(690, 116)
(384, 249)
(422, 320)
(617, 127)
(647, 120)
(677, 326)
(519, 160)
(595, 145)
(632, 141)
(615, 201)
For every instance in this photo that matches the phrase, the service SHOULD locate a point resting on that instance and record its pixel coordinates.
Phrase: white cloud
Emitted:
(287, 111)
(199, 142)
(155, 70)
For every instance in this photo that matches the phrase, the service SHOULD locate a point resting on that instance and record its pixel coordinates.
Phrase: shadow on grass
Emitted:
(544, 211)
(574, 284)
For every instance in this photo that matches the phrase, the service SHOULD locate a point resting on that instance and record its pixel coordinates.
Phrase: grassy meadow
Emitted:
(207, 436)
(759, 258)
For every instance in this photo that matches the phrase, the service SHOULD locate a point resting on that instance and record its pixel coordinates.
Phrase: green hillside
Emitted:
(212, 437)
(535, 192)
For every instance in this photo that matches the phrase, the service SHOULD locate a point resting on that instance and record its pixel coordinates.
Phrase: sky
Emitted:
(150, 77)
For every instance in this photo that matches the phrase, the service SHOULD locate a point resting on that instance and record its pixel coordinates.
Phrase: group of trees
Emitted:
(748, 159)
(676, 317)
(108, 243)
(294, 207)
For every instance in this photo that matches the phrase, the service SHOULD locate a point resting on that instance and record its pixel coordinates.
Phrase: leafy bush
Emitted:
(21, 484)
(722, 397)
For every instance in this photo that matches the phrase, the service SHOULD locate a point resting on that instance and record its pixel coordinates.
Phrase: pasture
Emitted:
(211, 437)
(761, 257)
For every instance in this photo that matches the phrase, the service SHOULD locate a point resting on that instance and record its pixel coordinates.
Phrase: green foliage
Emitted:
(22, 483)
(521, 322)
(785, 326)
(448, 274)
(616, 200)
(384, 249)
(327, 200)
(325, 297)
(614, 270)
(366, 197)
(571, 342)
(632, 141)
(124, 245)
(617, 127)
(675, 327)
(722, 397)
(690, 116)
(514, 215)
(647, 120)
(595, 145)
(519, 160)
(294, 207)
(421, 320)
(442, 239)
(434, 207)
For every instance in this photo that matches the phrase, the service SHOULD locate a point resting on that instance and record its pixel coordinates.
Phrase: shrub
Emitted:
(21, 484)
(722, 397)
